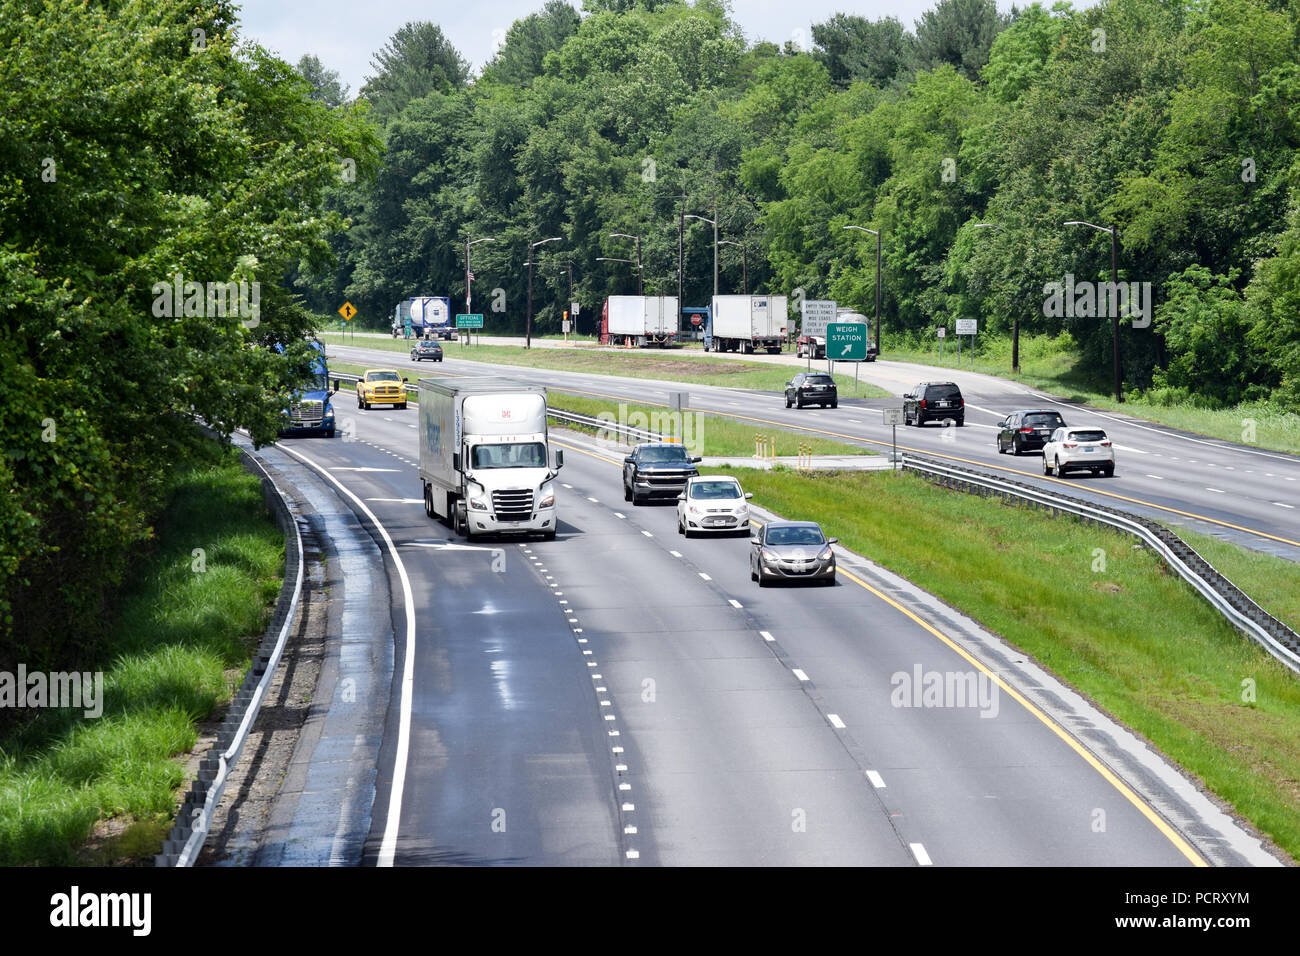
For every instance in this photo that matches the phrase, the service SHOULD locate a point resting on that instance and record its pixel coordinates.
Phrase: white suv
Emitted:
(712, 503)
(1080, 449)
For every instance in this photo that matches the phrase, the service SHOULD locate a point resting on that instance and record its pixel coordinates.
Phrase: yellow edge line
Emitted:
(1183, 847)
(1169, 832)
(934, 454)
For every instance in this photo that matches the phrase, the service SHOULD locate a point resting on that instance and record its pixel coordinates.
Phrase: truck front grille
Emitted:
(309, 412)
(513, 505)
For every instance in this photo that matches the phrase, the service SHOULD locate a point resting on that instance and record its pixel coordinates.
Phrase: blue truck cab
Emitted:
(310, 410)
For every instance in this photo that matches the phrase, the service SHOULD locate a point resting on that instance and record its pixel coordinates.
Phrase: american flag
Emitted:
(471, 277)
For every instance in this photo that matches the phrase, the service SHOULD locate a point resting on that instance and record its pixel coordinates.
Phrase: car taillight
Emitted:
(1105, 444)
(961, 402)
(1026, 431)
(923, 403)
(1070, 444)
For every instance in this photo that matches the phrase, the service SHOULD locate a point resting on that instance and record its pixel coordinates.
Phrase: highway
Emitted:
(1244, 494)
(622, 695)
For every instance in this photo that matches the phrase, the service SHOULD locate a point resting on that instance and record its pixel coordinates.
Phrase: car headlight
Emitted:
(692, 509)
(826, 554)
(768, 557)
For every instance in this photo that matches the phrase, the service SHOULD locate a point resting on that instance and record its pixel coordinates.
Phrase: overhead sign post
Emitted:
(894, 418)
(846, 342)
(968, 327)
(464, 321)
(816, 314)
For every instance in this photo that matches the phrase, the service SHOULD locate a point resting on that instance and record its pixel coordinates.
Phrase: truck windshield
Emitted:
(662, 453)
(523, 455)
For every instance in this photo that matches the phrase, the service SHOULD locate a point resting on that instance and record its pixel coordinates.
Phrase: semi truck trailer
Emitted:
(746, 323)
(639, 320)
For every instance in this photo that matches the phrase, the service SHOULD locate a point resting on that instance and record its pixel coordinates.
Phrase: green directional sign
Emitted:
(846, 341)
(469, 321)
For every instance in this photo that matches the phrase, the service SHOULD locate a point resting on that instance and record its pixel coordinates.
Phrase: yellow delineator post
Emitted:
(765, 447)
(805, 457)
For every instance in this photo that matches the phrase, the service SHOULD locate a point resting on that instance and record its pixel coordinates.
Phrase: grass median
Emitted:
(670, 365)
(100, 791)
(710, 435)
(1106, 617)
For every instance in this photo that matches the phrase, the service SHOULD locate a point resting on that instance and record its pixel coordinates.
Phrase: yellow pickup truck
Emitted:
(381, 386)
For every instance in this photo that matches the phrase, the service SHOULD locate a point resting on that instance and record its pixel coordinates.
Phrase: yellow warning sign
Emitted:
(347, 310)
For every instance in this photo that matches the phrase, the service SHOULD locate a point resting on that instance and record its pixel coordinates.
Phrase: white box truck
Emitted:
(639, 320)
(746, 323)
(484, 456)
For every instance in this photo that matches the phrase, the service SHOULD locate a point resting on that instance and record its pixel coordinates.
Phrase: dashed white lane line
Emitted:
(619, 514)
(569, 487)
(766, 636)
(734, 603)
(593, 501)
(799, 674)
(675, 554)
(1156, 477)
(918, 851)
(835, 721)
(629, 807)
(1217, 491)
(1282, 504)
(705, 576)
(647, 534)
(876, 779)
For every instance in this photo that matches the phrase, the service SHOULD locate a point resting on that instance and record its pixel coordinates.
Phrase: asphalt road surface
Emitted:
(624, 695)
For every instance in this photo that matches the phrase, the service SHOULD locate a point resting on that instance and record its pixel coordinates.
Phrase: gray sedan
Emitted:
(791, 551)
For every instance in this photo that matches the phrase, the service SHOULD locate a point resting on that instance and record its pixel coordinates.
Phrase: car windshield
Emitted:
(523, 455)
(796, 535)
(1094, 435)
(715, 489)
(658, 453)
(818, 380)
(1044, 420)
(942, 393)
(383, 377)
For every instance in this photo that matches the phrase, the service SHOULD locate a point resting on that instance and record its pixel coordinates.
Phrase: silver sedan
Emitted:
(791, 551)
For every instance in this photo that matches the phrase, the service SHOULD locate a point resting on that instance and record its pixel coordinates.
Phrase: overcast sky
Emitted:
(346, 33)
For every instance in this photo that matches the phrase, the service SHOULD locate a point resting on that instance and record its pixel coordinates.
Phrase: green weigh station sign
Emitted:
(846, 342)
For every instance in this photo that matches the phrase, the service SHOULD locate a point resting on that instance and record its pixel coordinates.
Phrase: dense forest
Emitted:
(147, 146)
(1174, 122)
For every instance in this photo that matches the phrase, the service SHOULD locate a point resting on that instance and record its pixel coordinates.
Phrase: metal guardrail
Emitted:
(190, 831)
(1233, 603)
(610, 427)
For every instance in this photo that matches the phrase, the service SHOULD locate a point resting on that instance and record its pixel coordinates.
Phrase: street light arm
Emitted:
(1079, 222)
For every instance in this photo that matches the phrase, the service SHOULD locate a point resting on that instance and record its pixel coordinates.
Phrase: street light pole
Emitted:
(744, 263)
(640, 287)
(880, 347)
(528, 322)
(714, 223)
(468, 281)
(1114, 283)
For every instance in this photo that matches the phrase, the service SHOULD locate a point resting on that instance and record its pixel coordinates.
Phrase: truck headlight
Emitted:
(478, 504)
(548, 502)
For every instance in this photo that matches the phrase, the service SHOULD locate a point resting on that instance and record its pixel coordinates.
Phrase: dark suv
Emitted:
(812, 388)
(657, 470)
(934, 402)
(1027, 430)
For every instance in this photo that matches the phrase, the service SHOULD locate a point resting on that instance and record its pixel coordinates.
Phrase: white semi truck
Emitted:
(640, 320)
(484, 456)
(746, 323)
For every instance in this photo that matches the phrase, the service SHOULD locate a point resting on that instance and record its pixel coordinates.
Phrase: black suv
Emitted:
(812, 388)
(934, 402)
(657, 470)
(1028, 430)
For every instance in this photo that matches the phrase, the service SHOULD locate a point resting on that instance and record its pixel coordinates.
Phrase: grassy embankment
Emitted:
(185, 629)
(1133, 636)
(1053, 365)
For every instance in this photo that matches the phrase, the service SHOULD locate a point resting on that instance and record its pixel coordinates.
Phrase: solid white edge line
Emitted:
(388, 847)
(918, 851)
